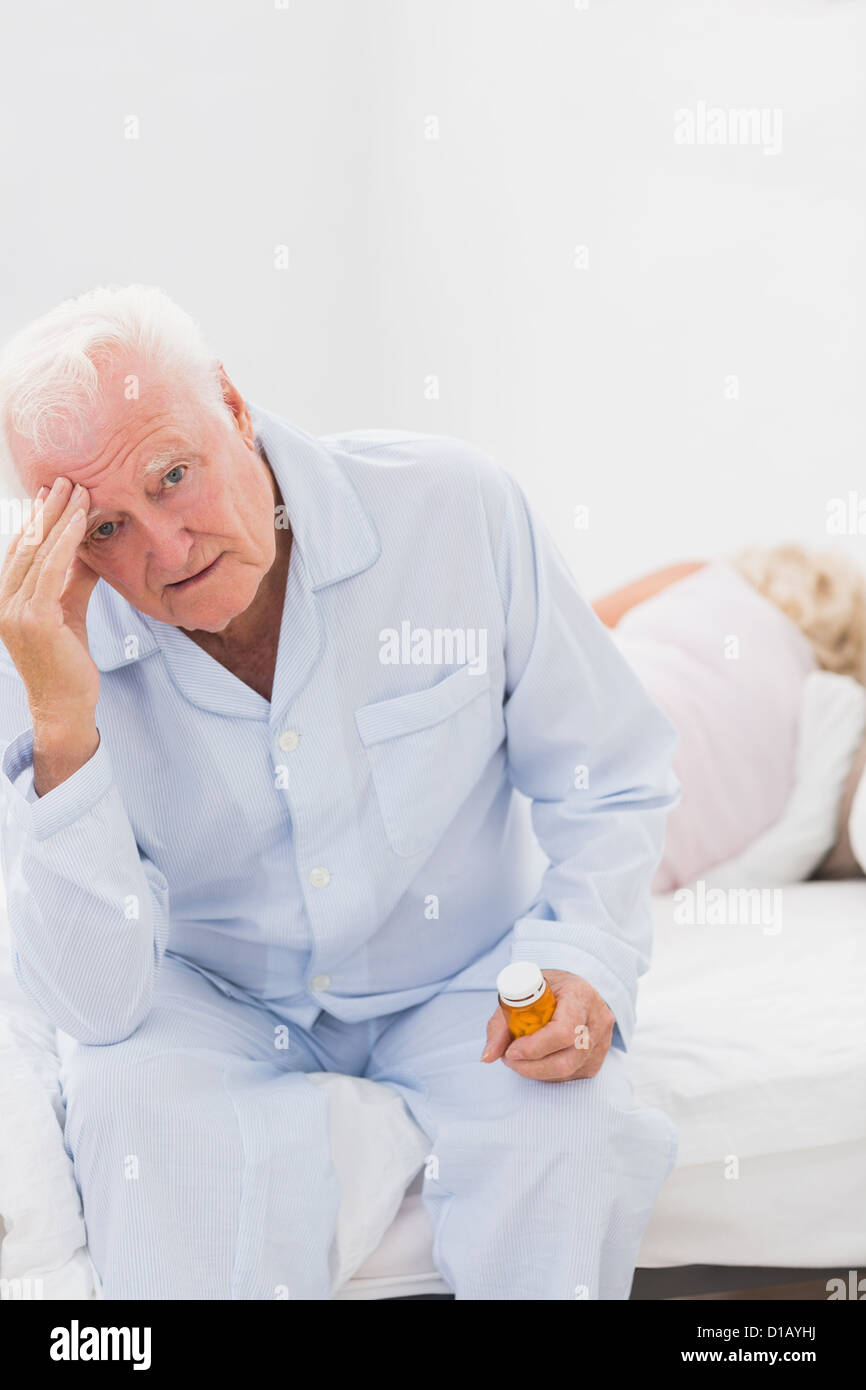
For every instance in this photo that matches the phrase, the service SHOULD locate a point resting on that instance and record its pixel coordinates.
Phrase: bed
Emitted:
(751, 1036)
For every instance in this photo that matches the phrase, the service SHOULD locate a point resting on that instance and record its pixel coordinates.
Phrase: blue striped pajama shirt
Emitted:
(457, 768)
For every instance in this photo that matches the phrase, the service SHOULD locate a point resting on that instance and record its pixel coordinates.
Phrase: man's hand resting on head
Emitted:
(573, 1044)
(45, 590)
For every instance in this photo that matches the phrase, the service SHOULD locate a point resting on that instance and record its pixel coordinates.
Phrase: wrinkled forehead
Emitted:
(138, 427)
(141, 465)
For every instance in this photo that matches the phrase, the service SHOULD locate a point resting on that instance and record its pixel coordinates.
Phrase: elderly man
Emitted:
(269, 704)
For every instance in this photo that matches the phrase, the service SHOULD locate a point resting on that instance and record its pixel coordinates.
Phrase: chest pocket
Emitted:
(426, 751)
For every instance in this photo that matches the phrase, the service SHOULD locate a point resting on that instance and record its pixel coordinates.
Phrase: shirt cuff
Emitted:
(42, 816)
(559, 955)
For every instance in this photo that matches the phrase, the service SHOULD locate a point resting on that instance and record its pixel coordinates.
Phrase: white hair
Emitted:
(50, 370)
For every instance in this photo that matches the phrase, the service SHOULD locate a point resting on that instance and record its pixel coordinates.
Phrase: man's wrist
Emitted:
(59, 750)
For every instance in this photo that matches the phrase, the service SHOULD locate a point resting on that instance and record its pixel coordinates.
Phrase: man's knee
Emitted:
(127, 1087)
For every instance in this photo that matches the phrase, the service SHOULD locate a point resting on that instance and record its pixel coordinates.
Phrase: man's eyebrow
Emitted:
(160, 463)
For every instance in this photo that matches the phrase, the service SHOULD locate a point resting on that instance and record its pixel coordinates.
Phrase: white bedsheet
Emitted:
(755, 1044)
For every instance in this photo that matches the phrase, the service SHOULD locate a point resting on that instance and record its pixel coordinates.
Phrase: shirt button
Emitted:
(319, 876)
(289, 740)
(320, 981)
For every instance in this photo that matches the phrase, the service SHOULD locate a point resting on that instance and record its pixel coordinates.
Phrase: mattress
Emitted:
(751, 1035)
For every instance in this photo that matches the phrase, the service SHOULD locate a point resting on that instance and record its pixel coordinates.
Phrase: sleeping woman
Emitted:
(724, 648)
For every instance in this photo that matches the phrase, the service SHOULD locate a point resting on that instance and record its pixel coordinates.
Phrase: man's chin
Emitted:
(211, 614)
(210, 607)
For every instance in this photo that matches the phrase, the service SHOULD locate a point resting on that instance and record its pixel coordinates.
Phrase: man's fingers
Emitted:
(46, 504)
(54, 571)
(44, 579)
(582, 1056)
(49, 506)
(498, 1036)
(558, 1066)
(31, 543)
(55, 534)
(560, 1032)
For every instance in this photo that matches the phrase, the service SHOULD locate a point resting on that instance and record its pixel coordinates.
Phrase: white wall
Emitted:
(454, 257)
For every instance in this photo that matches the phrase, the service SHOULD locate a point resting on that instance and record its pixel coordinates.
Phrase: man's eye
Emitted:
(170, 480)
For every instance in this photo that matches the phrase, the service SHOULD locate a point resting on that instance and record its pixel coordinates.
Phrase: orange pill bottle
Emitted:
(526, 998)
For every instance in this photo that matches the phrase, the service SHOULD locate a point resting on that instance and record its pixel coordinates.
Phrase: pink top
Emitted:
(727, 667)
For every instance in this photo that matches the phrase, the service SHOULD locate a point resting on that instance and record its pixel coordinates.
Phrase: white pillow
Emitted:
(857, 823)
(42, 1232)
(832, 724)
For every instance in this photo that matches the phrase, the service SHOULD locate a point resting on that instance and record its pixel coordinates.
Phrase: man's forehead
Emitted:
(118, 427)
(36, 472)
(156, 465)
(37, 468)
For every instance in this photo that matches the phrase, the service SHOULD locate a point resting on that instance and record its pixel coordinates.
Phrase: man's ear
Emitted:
(237, 405)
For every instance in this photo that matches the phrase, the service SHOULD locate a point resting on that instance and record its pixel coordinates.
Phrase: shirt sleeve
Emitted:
(88, 912)
(594, 753)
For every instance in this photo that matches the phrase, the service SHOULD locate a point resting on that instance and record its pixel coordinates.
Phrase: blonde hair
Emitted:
(823, 592)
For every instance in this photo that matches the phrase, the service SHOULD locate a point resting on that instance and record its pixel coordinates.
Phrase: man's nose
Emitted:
(169, 545)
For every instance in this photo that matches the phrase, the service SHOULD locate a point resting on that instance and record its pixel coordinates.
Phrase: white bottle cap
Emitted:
(520, 983)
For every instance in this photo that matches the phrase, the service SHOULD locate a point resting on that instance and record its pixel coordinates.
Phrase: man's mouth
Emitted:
(195, 578)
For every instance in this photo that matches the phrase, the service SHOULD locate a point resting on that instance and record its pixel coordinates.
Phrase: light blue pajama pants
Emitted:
(202, 1157)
